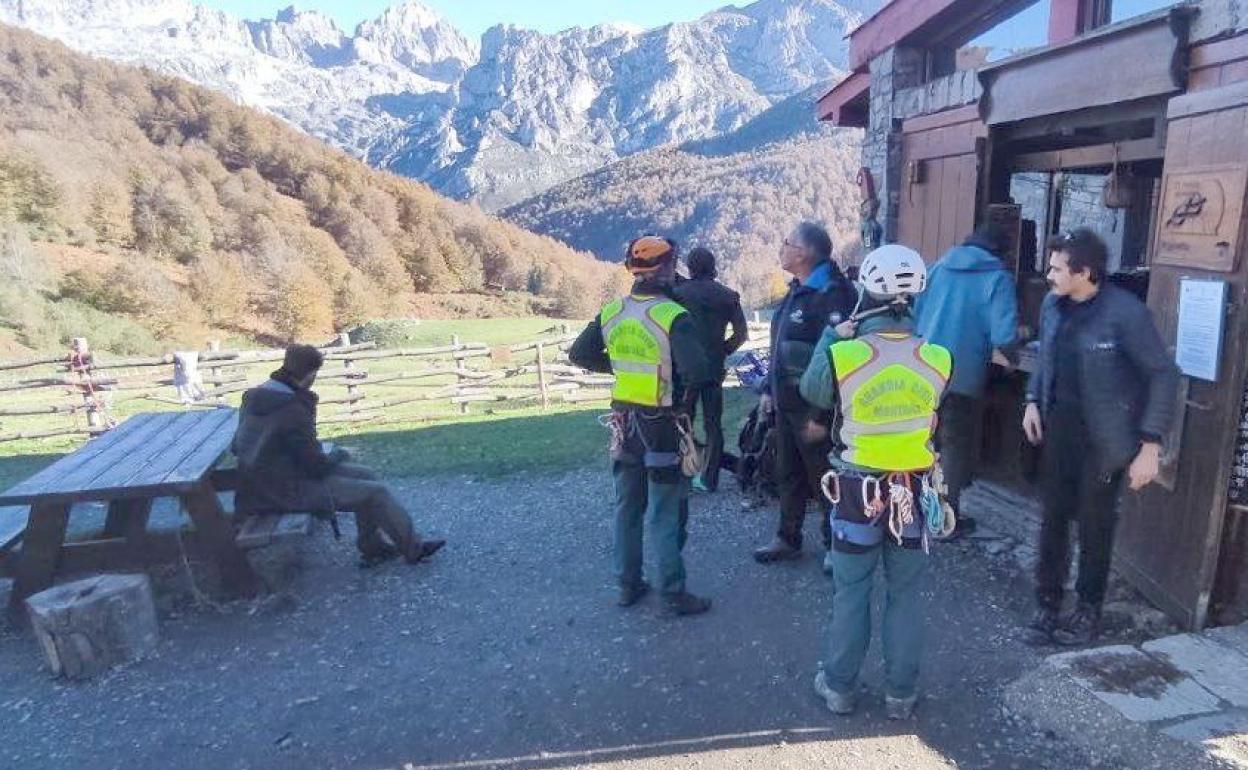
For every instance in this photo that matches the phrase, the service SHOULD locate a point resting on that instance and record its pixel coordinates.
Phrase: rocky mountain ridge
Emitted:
(495, 121)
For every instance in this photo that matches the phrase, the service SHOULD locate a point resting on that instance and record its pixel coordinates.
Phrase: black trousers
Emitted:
(803, 440)
(1075, 491)
(957, 440)
(712, 398)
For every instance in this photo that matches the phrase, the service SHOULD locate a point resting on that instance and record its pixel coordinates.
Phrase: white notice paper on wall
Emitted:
(1202, 309)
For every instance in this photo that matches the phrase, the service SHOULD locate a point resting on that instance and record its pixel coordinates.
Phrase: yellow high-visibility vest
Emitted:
(637, 331)
(890, 385)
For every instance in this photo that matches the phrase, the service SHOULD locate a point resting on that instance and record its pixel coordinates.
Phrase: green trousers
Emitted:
(853, 575)
(638, 498)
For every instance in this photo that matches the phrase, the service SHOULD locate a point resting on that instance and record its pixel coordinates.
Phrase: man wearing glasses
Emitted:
(818, 296)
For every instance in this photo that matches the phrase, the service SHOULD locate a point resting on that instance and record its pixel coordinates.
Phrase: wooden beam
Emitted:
(924, 21)
(965, 114)
(213, 526)
(832, 106)
(41, 551)
(1086, 157)
(1221, 52)
(1088, 71)
(126, 517)
(940, 143)
(1090, 117)
(1211, 100)
(1064, 20)
(1070, 18)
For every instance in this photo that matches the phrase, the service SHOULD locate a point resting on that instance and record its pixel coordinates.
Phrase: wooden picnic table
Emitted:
(169, 454)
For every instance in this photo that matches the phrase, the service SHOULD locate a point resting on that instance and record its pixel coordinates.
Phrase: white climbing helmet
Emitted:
(893, 272)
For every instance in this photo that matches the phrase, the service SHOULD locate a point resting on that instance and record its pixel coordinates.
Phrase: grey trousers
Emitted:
(641, 501)
(849, 634)
(356, 489)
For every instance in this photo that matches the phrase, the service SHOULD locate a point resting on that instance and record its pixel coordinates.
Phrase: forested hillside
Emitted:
(140, 207)
(737, 194)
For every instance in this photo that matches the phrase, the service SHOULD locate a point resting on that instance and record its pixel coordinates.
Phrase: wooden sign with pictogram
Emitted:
(1199, 223)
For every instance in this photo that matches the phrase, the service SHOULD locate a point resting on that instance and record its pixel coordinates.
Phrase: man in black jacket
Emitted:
(713, 307)
(819, 296)
(282, 468)
(1101, 401)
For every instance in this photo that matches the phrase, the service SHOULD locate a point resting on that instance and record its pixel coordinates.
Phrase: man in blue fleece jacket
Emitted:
(971, 309)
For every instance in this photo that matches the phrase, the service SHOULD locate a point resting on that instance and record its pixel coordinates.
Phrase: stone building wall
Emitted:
(895, 70)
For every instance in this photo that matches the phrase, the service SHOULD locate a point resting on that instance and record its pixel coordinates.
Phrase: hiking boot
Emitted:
(424, 550)
(631, 593)
(376, 554)
(1082, 627)
(777, 550)
(838, 703)
(966, 526)
(1039, 630)
(900, 709)
(684, 603)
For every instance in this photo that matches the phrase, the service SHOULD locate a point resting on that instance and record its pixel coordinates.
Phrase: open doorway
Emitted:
(1119, 204)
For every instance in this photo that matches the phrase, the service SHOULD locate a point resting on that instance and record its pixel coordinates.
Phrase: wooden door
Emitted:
(1169, 535)
(940, 161)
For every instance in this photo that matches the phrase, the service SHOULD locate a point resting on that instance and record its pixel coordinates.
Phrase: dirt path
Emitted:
(507, 651)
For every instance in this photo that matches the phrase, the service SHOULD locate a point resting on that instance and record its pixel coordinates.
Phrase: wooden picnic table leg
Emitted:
(41, 550)
(214, 530)
(127, 518)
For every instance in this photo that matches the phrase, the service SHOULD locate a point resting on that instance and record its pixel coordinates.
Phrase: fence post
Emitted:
(460, 368)
(541, 375)
(214, 372)
(353, 390)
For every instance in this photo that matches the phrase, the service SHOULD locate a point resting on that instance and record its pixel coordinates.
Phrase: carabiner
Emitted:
(834, 493)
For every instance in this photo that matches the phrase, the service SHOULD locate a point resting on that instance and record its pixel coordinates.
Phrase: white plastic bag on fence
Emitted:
(186, 376)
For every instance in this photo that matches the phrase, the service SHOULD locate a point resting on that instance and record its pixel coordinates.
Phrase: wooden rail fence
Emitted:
(55, 396)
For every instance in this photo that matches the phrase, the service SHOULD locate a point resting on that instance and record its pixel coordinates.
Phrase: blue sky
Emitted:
(473, 17)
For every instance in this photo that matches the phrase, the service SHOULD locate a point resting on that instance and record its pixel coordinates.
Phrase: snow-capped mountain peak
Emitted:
(417, 37)
(497, 120)
(295, 35)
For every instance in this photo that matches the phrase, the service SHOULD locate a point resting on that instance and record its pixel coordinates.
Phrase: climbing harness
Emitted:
(902, 504)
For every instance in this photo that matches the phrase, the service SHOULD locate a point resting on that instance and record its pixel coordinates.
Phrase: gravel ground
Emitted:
(507, 651)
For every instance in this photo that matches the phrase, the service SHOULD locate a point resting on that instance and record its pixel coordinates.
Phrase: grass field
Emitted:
(527, 441)
(492, 440)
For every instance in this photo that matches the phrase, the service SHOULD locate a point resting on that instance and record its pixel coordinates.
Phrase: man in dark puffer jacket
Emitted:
(818, 297)
(1101, 401)
(282, 468)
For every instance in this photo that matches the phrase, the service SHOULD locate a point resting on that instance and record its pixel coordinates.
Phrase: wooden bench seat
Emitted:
(259, 531)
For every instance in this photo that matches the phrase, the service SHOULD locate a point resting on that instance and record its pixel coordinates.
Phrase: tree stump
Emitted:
(93, 624)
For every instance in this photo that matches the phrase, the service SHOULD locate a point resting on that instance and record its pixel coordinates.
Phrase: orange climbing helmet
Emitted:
(649, 253)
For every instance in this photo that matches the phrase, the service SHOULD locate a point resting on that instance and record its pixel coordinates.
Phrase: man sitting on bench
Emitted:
(282, 468)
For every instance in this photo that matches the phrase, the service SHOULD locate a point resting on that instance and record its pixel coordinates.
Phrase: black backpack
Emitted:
(756, 467)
